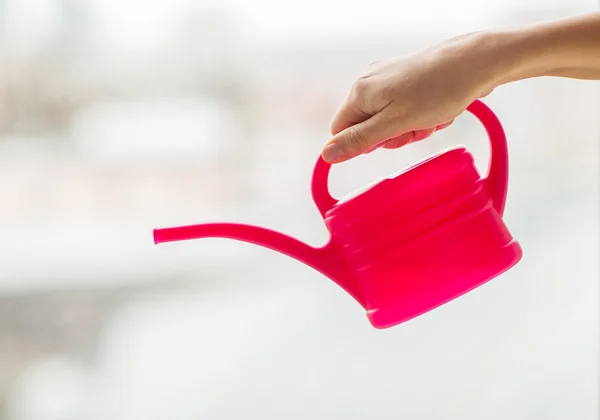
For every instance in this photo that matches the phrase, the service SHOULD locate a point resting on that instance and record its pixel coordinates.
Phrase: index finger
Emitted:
(347, 116)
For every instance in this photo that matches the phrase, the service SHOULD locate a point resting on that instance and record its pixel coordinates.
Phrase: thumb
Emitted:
(359, 138)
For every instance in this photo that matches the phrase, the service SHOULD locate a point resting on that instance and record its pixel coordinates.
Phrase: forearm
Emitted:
(405, 99)
(563, 48)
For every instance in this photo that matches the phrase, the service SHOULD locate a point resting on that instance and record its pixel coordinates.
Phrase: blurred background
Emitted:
(119, 116)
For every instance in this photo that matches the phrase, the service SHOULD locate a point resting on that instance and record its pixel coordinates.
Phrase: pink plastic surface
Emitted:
(409, 243)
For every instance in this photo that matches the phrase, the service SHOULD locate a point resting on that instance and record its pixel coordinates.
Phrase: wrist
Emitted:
(567, 47)
(514, 54)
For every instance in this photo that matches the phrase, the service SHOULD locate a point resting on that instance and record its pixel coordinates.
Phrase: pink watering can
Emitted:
(409, 243)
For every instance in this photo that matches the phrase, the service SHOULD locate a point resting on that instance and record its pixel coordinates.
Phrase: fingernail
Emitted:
(332, 153)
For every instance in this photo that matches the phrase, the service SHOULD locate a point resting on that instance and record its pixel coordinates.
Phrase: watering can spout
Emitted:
(326, 259)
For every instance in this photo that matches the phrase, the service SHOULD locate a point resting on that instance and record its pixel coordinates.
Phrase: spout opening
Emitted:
(184, 233)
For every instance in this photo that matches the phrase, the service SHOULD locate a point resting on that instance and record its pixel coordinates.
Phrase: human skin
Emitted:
(405, 99)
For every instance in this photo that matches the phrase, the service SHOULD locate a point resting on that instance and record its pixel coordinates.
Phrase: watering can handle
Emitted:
(496, 179)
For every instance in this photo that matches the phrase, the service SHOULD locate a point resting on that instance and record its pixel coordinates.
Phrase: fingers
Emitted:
(353, 139)
(409, 137)
(350, 113)
(445, 125)
(372, 149)
(359, 138)
(399, 141)
(413, 136)
(347, 116)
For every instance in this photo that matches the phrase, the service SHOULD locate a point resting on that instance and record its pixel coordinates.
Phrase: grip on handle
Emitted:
(496, 178)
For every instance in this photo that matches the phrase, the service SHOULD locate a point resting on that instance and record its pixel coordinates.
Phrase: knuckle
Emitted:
(372, 94)
(365, 93)
(388, 89)
(362, 85)
(356, 140)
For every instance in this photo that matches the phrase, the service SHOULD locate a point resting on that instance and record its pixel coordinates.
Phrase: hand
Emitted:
(402, 100)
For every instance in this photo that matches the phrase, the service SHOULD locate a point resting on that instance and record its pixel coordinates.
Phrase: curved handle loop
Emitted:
(496, 179)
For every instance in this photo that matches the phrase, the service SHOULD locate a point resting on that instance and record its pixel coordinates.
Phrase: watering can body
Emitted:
(410, 242)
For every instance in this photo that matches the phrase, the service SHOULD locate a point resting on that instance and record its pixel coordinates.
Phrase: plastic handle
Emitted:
(320, 187)
(496, 178)
(497, 174)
